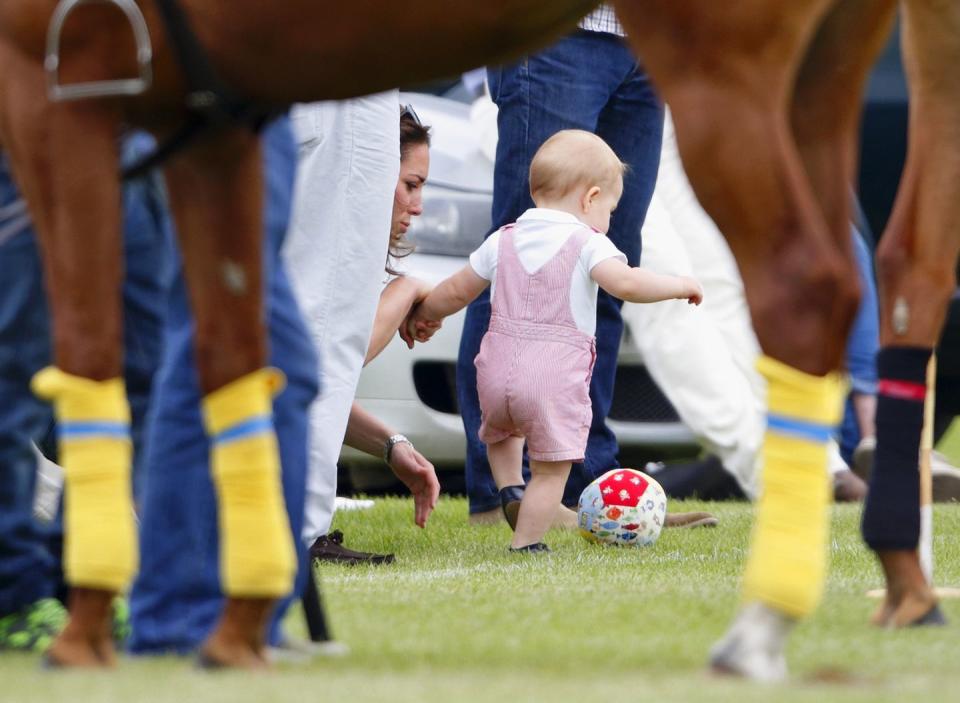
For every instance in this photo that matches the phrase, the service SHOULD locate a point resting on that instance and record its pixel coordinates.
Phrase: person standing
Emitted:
(362, 166)
(589, 80)
(535, 362)
(31, 568)
(178, 596)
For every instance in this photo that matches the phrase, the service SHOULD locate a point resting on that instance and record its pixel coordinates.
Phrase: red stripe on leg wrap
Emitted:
(902, 390)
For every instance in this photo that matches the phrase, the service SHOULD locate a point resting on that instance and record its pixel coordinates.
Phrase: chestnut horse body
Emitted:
(765, 97)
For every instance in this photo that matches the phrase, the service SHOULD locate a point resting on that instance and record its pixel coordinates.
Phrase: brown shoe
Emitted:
(486, 518)
(696, 519)
(848, 487)
(946, 479)
(330, 548)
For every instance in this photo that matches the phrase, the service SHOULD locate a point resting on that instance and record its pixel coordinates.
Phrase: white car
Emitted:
(414, 392)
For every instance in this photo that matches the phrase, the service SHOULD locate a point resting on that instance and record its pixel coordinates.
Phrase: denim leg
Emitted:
(146, 225)
(25, 348)
(632, 124)
(291, 351)
(568, 85)
(481, 489)
(176, 599)
(27, 568)
(862, 345)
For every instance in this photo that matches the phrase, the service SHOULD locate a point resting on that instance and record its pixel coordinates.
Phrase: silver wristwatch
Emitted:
(393, 441)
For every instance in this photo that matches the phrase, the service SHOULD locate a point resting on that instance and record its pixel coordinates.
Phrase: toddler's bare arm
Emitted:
(637, 285)
(450, 295)
(396, 302)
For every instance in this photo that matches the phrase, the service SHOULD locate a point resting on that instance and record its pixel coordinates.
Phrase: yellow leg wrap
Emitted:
(93, 419)
(257, 557)
(788, 557)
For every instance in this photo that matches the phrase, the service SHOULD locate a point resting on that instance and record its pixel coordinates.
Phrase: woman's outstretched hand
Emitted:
(418, 474)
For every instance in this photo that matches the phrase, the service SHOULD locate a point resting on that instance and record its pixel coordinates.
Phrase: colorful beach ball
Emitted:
(623, 507)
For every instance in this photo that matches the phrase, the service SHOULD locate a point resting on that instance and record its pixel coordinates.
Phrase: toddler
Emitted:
(536, 359)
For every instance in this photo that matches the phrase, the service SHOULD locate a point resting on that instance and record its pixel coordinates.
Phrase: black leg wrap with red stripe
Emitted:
(891, 516)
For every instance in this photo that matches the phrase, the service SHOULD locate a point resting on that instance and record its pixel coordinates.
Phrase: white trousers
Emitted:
(703, 358)
(335, 253)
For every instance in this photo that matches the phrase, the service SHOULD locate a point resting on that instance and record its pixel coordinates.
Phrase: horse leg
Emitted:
(825, 113)
(830, 159)
(65, 158)
(916, 264)
(826, 103)
(221, 242)
(730, 82)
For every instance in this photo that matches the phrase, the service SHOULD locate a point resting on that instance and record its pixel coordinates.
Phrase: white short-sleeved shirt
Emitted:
(537, 235)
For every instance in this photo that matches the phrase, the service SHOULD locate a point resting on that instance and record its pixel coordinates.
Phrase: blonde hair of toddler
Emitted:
(570, 159)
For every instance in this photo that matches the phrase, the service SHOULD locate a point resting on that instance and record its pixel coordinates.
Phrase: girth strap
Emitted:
(210, 103)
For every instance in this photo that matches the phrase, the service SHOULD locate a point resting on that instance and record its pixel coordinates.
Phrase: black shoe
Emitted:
(535, 547)
(330, 548)
(510, 497)
(705, 479)
(934, 617)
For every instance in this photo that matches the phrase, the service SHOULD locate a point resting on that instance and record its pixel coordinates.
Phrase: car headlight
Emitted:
(453, 222)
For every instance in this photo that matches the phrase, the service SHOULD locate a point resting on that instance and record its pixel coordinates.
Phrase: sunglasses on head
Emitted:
(408, 111)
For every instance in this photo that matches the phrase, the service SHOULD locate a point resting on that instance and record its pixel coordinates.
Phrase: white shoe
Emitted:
(297, 651)
(49, 487)
(343, 503)
(753, 646)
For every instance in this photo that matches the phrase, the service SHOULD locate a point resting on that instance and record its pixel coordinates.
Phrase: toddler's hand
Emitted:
(417, 327)
(425, 329)
(692, 290)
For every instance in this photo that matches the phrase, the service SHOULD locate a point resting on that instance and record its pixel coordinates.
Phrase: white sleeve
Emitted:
(599, 248)
(484, 260)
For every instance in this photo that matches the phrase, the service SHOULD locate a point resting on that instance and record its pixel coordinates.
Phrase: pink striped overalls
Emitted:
(534, 365)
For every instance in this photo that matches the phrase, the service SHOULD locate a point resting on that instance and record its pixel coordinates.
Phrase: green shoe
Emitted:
(121, 621)
(33, 627)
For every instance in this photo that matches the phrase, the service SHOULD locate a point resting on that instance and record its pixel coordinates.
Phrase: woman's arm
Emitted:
(396, 301)
(370, 436)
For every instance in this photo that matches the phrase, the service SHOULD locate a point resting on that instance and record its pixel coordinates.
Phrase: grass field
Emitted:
(950, 443)
(457, 618)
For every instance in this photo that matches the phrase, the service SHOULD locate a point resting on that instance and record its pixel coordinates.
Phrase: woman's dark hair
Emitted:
(412, 130)
(412, 133)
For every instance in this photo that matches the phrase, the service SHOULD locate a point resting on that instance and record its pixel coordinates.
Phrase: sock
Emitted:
(891, 516)
(93, 422)
(257, 557)
(787, 565)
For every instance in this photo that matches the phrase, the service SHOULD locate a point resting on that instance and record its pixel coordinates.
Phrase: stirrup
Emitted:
(97, 89)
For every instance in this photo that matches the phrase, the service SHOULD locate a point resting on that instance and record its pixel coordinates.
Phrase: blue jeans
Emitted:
(862, 346)
(176, 600)
(30, 566)
(590, 81)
